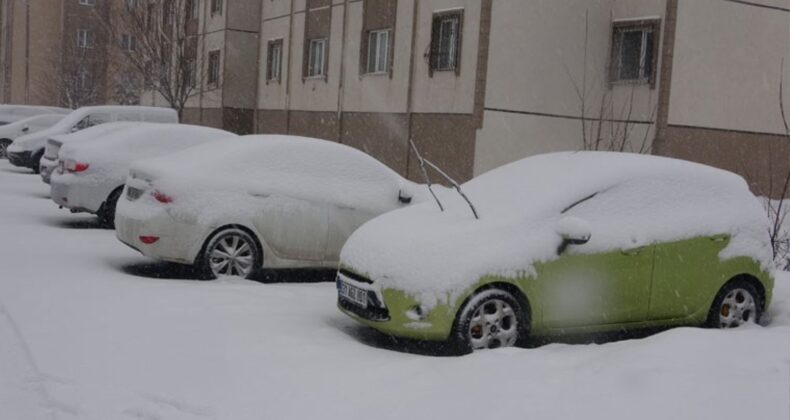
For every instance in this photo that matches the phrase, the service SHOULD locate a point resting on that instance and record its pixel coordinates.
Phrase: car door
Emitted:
(294, 227)
(607, 280)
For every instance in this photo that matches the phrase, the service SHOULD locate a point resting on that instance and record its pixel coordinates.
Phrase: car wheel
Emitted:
(737, 303)
(490, 319)
(107, 211)
(37, 162)
(4, 148)
(231, 252)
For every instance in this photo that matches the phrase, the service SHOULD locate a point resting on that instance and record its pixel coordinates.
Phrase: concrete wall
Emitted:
(537, 71)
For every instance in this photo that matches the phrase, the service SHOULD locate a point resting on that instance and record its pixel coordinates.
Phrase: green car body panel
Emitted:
(664, 284)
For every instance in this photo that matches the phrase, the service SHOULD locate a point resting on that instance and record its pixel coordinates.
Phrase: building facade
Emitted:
(475, 84)
(54, 53)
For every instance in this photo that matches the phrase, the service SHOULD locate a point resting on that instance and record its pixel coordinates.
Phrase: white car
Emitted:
(268, 201)
(9, 132)
(27, 151)
(91, 173)
(10, 113)
(49, 161)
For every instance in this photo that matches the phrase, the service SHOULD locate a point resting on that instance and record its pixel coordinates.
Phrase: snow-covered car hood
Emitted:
(435, 256)
(34, 141)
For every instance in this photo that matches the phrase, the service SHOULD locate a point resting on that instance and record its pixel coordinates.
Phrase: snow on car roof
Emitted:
(629, 201)
(143, 139)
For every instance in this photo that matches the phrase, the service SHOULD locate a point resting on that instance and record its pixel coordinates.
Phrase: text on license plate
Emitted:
(353, 294)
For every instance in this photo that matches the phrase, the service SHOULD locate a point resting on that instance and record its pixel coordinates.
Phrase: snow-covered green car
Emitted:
(565, 243)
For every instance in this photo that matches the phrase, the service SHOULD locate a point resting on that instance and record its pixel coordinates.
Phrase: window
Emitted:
(85, 80)
(128, 42)
(193, 8)
(85, 38)
(131, 4)
(634, 49)
(379, 51)
(213, 68)
(274, 62)
(190, 72)
(446, 41)
(216, 7)
(317, 58)
(88, 2)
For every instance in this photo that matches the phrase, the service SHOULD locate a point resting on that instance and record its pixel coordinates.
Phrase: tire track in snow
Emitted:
(47, 402)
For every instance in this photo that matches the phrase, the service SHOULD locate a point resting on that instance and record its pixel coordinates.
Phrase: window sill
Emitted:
(377, 74)
(631, 83)
(321, 78)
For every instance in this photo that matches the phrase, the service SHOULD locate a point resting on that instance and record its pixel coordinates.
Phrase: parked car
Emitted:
(230, 208)
(25, 126)
(91, 174)
(49, 161)
(12, 113)
(26, 151)
(566, 243)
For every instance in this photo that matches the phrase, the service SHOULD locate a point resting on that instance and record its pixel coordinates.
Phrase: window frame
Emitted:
(216, 7)
(373, 47)
(91, 3)
(213, 70)
(274, 55)
(128, 42)
(310, 64)
(434, 56)
(87, 41)
(645, 26)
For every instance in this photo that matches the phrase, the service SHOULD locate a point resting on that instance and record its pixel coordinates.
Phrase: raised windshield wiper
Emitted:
(455, 184)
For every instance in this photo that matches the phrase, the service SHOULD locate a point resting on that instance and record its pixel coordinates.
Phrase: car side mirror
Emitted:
(75, 129)
(404, 197)
(573, 231)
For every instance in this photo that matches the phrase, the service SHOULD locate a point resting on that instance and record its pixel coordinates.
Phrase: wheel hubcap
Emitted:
(737, 308)
(231, 256)
(493, 325)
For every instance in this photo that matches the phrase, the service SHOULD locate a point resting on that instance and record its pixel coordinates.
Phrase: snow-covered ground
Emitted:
(88, 331)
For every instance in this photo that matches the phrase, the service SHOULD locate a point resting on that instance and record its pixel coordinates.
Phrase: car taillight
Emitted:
(162, 197)
(76, 167)
(149, 240)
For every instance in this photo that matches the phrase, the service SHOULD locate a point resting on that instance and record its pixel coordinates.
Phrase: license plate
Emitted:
(352, 293)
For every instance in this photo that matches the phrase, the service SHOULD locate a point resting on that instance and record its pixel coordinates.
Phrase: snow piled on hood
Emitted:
(638, 200)
(209, 176)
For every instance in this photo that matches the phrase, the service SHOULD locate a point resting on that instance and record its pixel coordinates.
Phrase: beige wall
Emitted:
(727, 63)
(537, 70)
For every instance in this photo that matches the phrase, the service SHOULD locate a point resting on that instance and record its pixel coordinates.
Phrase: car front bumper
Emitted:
(395, 313)
(21, 159)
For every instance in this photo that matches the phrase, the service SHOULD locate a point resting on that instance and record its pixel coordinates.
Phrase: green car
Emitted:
(564, 243)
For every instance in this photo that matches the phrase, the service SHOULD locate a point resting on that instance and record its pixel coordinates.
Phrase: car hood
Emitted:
(34, 141)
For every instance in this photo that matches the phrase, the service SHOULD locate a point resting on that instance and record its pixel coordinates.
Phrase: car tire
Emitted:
(216, 258)
(492, 318)
(37, 162)
(107, 211)
(737, 303)
(4, 143)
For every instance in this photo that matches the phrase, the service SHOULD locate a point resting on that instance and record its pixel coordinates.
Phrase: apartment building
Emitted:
(54, 53)
(474, 83)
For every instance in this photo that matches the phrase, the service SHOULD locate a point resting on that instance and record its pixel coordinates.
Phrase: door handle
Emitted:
(633, 251)
(719, 238)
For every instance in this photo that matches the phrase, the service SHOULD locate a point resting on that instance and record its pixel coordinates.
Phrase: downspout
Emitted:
(258, 78)
(341, 85)
(202, 37)
(27, 52)
(410, 88)
(288, 73)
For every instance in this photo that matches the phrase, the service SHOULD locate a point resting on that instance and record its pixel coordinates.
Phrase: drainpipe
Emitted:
(27, 51)
(288, 73)
(410, 88)
(341, 86)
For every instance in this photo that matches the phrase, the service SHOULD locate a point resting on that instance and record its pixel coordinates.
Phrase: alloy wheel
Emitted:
(232, 255)
(738, 307)
(494, 324)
